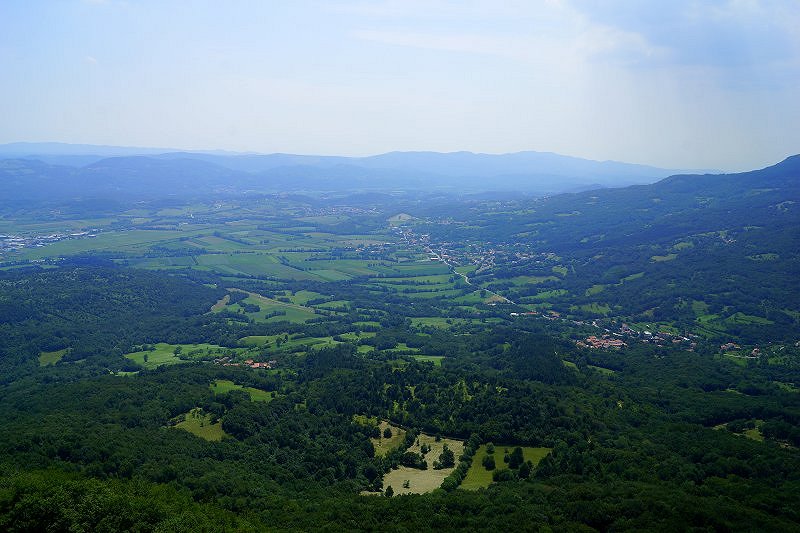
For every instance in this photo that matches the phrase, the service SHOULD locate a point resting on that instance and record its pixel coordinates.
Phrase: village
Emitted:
(19, 242)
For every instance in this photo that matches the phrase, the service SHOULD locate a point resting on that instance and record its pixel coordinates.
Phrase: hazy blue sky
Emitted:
(676, 83)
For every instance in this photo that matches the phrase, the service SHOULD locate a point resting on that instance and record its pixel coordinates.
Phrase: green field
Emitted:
(423, 481)
(663, 258)
(286, 312)
(198, 423)
(221, 386)
(164, 354)
(595, 289)
(593, 308)
(384, 446)
(51, 358)
(478, 477)
(435, 359)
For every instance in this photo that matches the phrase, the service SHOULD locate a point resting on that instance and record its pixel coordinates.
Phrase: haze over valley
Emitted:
(402, 266)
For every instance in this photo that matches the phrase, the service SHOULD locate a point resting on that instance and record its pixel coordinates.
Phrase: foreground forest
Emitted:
(274, 362)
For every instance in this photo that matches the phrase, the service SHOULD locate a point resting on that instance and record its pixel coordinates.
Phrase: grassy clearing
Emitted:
(384, 446)
(51, 358)
(741, 318)
(632, 277)
(546, 295)
(699, 308)
(532, 280)
(303, 297)
(291, 343)
(399, 218)
(164, 354)
(121, 241)
(604, 371)
(221, 303)
(764, 257)
(221, 386)
(594, 308)
(435, 359)
(595, 289)
(478, 477)
(753, 433)
(422, 481)
(200, 424)
(272, 310)
(663, 258)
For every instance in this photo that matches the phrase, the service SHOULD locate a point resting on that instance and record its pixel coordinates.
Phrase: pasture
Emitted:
(423, 481)
(200, 424)
(478, 477)
(221, 386)
(165, 354)
(382, 445)
(269, 310)
(51, 358)
(435, 359)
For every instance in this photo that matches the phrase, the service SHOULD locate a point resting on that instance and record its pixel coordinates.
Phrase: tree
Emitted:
(488, 462)
(490, 448)
(446, 459)
(525, 470)
(387, 433)
(516, 458)
(389, 491)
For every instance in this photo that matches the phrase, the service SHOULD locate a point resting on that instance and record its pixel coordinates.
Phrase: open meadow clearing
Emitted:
(435, 359)
(479, 477)
(268, 309)
(221, 386)
(51, 358)
(422, 481)
(384, 445)
(174, 354)
(200, 424)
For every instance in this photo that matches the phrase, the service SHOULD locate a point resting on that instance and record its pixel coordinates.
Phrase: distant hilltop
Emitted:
(539, 173)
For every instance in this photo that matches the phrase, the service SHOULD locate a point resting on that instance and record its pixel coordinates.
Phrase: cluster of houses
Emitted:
(731, 346)
(18, 242)
(260, 364)
(228, 361)
(606, 341)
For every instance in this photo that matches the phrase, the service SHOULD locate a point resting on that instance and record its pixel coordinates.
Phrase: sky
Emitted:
(701, 84)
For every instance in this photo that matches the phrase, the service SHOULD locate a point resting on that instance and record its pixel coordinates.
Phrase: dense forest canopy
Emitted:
(621, 359)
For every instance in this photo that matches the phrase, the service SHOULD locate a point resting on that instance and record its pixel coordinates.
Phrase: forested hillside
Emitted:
(611, 360)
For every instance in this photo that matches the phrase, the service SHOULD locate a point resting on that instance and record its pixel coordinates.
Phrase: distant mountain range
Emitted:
(42, 170)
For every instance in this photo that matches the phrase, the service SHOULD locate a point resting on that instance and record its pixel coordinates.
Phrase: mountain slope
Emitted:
(179, 172)
(717, 254)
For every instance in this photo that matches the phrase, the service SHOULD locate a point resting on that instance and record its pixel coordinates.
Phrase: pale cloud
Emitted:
(716, 33)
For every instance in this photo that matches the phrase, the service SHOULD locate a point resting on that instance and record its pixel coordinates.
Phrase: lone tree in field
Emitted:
(525, 470)
(516, 458)
(446, 459)
(387, 433)
(389, 491)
